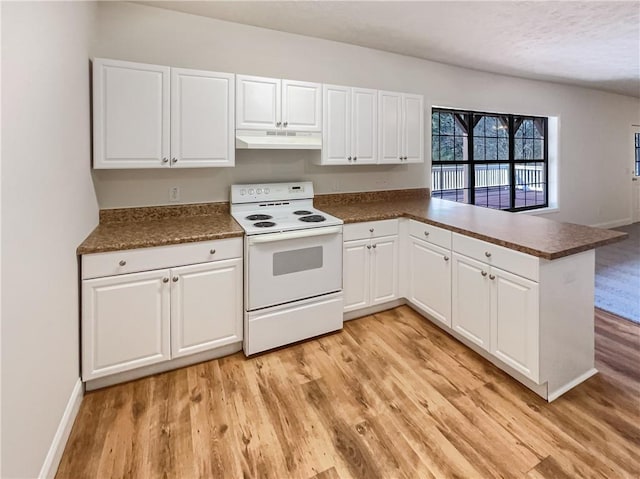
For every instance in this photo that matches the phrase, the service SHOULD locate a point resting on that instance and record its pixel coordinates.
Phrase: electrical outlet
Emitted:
(174, 193)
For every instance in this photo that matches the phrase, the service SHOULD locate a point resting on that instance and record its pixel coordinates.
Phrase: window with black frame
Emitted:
(493, 160)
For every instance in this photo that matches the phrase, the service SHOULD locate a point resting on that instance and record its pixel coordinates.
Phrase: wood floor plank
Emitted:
(391, 396)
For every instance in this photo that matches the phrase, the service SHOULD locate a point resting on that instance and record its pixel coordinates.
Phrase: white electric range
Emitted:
(293, 264)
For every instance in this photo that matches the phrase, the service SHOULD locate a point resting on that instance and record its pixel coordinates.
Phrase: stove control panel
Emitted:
(271, 192)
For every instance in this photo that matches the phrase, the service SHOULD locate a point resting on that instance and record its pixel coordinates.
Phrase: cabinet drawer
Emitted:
(510, 260)
(145, 259)
(432, 234)
(370, 229)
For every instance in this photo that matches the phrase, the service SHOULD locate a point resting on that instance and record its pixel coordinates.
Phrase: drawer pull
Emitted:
(483, 273)
(122, 262)
(368, 246)
(492, 276)
(175, 279)
(446, 258)
(426, 233)
(165, 280)
(213, 251)
(370, 230)
(487, 254)
(374, 246)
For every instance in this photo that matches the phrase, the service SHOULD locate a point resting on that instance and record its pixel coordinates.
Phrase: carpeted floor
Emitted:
(618, 275)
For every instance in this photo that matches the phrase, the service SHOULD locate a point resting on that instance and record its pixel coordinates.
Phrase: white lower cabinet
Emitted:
(430, 279)
(356, 277)
(498, 311)
(126, 322)
(384, 269)
(206, 306)
(142, 318)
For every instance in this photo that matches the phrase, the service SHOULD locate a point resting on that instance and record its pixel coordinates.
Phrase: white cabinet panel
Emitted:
(301, 106)
(430, 279)
(364, 125)
(336, 131)
(384, 269)
(471, 306)
(258, 103)
(130, 115)
(202, 118)
(206, 306)
(356, 274)
(125, 322)
(390, 127)
(413, 128)
(514, 321)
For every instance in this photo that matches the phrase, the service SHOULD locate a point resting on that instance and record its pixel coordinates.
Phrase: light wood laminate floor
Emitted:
(390, 396)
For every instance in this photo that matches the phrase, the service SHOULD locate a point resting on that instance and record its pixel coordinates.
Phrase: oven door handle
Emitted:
(289, 235)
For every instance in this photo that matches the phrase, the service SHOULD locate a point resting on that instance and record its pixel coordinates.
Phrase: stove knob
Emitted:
(251, 191)
(266, 191)
(259, 190)
(243, 192)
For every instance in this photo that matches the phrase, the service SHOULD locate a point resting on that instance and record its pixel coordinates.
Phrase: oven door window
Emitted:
(294, 261)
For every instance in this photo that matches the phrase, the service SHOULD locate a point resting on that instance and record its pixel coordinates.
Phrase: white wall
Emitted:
(48, 207)
(594, 125)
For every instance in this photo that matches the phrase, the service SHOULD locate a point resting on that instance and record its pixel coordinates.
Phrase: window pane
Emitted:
(503, 149)
(446, 148)
(530, 184)
(446, 124)
(492, 185)
(478, 148)
(435, 123)
(450, 182)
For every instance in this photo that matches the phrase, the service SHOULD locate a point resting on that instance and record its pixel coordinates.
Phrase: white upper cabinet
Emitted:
(130, 115)
(258, 103)
(301, 106)
(274, 104)
(202, 118)
(364, 125)
(151, 116)
(336, 131)
(401, 127)
(413, 128)
(350, 126)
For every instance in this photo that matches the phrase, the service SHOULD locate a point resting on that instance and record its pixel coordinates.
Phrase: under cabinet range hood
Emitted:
(278, 140)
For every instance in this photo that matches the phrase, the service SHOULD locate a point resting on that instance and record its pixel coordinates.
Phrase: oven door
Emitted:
(292, 265)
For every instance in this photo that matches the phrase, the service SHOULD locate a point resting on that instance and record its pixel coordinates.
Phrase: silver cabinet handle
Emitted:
(175, 279)
(278, 124)
(368, 246)
(370, 230)
(212, 251)
(355, 158)
(426, 233)
(349, 158)
(285, 124)
(122, 262)
(174, 160)
(483, 273)
(446, 258)
(487, 254)
(400, 158)
(165, 160)
(491, 276)
(374, 246)
(165, 280)
(405, 158)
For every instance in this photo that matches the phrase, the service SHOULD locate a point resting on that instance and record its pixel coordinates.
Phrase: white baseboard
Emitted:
(613, 224)
(52, 461)
(553, 395)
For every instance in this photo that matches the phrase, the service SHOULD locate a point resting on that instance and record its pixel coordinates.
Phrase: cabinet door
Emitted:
(413, 128)
(384, 269)
(471, 300)
(356, 285)
(125, 322)
(336, 131)
(130, 115)
(206, 306)
(202, 118)
(258, 103)
(301, 106)
(430, 279)
(389, 127)
(515, 321)
(364, 125)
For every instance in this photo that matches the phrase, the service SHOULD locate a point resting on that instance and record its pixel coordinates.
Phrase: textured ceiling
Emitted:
(588, 43)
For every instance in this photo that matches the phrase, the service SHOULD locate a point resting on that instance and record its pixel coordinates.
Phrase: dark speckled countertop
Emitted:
(132, 228)
(529, 234)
